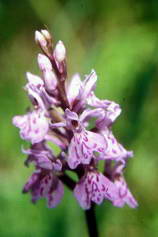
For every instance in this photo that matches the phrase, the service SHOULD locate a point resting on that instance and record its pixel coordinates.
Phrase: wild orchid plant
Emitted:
(61, 113)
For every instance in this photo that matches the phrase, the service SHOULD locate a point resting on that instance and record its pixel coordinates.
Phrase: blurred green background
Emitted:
(119, 39)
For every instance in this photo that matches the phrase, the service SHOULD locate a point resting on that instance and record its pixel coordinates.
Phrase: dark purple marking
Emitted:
(36, 130)
(85, 139)
(84, 144)
(97, 178)
(95, 145)
(98, 199)
(90, 179)
(74, 123)
(100, 149)
(95, 187)
(46, 180)
(103, 187)
(77, 140)
(39, 86)
(34, 120)
(41, 191)
(113, 140)
(114, 151)
(77, 155)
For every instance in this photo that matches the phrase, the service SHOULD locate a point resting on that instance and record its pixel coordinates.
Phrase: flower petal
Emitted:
(55, 197)
(45, 185)
(82, 147)
(114, 150)
(124, 195)
(94, 187)
(74, 89)
(33, 126)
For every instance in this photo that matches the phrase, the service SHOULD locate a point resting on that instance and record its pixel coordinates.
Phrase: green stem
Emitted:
(91, 222)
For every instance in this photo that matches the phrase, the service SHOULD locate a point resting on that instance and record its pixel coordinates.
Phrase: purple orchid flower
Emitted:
(43, 157)
(124, 195)
(33, 126)
(44, 184)
(61, 114)
(94, 187)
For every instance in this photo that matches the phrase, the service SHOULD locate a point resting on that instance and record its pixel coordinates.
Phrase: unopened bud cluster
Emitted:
(61, 114)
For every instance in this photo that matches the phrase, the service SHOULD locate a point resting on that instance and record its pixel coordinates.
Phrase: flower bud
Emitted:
(59, 52)
(40, 39)
(44, 63)
(50, 80)
(46, 34)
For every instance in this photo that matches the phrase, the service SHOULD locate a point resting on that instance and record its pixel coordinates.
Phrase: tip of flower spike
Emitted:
(40, 39)
(46, 34)
(44, 62)
(60, 51)
(93, 71)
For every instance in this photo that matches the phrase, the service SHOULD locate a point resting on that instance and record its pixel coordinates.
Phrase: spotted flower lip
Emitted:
(67, 116)
(44, 185)
(83, 146)
(94, 187)
(33, 126)
(84, 143)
